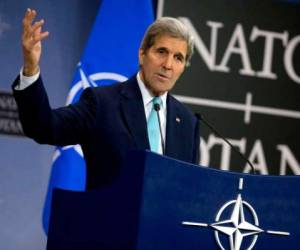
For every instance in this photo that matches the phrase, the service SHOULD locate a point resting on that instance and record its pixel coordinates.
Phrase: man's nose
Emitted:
(168, 62)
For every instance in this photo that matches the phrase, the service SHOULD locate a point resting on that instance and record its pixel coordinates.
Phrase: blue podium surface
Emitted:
(160, 203)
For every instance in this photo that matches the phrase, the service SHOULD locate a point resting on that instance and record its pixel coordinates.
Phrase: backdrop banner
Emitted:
(9, 118)
(245, 79)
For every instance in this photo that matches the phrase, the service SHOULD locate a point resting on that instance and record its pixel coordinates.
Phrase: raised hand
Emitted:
(31, 42)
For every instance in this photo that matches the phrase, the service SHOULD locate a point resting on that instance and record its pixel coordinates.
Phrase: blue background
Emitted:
(25, 165)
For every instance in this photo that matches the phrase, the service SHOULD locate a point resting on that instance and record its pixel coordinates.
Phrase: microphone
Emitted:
(157, 108)
(201, 118)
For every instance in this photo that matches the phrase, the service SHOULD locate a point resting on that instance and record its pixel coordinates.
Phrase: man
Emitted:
(109, 121)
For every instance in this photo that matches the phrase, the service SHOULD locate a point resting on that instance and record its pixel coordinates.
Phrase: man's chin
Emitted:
(159, 92)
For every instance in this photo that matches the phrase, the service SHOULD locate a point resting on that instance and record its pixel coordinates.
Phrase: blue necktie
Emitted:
(153, 126)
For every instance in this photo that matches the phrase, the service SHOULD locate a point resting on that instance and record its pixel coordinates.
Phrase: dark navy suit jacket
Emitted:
(106, 122)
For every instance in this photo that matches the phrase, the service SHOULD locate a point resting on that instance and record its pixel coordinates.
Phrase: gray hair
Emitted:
(172, 27)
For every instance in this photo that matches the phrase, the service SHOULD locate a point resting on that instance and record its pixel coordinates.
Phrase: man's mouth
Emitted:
(162, 76)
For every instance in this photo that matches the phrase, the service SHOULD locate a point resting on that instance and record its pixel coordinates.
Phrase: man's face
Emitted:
(163, 63)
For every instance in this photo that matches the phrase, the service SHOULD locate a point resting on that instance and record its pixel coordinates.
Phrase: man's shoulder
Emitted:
(182, 110)
(127, 89)
(179, 105)
(115, 87)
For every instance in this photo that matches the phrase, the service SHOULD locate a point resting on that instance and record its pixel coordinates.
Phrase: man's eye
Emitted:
(161, 51)
(179, 58)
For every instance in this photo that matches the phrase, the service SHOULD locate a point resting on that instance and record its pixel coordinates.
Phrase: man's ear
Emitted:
(141, 56)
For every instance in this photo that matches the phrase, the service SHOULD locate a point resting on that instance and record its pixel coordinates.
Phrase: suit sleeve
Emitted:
(63, 126)
(196, 148)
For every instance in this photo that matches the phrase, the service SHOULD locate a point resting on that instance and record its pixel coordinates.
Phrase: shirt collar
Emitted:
(147, 95)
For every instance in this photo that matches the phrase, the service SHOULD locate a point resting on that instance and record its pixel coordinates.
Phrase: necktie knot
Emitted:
(156, 100)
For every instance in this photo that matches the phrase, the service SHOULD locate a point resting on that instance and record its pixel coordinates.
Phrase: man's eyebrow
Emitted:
(180, 54)
(162, 47)
(165, 48)
(176, 54)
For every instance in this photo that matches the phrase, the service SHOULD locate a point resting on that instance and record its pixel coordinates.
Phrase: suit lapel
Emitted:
(132, 109)
(173, 129)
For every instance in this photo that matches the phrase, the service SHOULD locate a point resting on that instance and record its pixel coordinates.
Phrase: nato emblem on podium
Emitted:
(236, 224)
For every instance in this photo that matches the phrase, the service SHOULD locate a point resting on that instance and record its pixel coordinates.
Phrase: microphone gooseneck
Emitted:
(201, 118)
(157, 108)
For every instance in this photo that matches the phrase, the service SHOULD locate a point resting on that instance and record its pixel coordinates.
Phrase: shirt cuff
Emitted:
(26, 81)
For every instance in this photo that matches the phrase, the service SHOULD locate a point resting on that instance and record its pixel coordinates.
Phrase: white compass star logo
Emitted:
(236, 227)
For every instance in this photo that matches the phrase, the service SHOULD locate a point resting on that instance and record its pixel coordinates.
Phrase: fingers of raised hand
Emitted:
(32, 32)
(37, 25)
(36, 31)
(28, 27)
(38, 35)
(28, 18)
(36, 38)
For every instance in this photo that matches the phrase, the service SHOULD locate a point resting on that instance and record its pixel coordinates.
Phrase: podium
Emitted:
(158, 203)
